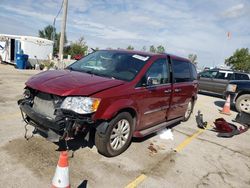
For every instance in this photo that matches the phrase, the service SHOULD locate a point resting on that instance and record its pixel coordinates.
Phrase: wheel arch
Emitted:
(244, 92)
(104, 122)
(111, 109)
(132, 112)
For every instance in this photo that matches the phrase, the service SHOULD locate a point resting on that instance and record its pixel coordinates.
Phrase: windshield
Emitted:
(113, 64)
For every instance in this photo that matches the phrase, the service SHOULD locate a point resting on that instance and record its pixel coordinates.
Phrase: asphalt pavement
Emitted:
(193, 158)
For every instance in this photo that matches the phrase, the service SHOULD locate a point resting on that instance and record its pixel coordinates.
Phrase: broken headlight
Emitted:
(26, 94)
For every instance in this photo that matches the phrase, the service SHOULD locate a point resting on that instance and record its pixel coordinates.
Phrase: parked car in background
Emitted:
(78, 56)
(216, 80)
(239, 90)
(116, 94)
(206, 69)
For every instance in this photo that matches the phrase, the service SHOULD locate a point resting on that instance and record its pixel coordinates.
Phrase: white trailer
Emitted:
(36, 48)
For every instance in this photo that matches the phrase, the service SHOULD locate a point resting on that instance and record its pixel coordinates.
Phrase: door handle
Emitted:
(177, 90)
(168, 91)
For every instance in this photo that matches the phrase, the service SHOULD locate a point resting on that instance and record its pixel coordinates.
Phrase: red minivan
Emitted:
(115, 94)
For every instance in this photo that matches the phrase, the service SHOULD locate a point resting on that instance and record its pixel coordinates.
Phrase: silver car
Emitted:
(216, 80)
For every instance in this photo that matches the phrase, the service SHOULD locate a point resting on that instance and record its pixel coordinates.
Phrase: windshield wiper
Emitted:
(89, 72)
(70, 68)
(93, 73)
(105, 75)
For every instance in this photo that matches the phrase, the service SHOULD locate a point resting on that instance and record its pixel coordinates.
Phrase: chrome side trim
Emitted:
(153, 86)
(156, 110)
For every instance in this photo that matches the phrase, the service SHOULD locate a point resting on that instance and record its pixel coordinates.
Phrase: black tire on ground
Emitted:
(120, 128)
(189, 110)
(243, 103)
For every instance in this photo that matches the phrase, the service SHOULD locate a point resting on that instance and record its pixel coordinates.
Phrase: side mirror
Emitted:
(152, 81)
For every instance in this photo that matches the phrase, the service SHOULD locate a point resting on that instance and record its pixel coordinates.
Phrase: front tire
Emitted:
(117, 137)
(243, 103)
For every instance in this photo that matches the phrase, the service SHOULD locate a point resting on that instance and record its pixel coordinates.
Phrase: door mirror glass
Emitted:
(152, 81)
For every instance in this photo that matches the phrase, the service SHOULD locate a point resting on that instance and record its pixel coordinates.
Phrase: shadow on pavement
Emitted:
(76, 143)
(83, 184)
(211, 94)
(80, 142)
(154, 134)
(221, 105)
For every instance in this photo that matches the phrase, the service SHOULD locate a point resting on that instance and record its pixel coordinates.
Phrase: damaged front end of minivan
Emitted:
(58, 118)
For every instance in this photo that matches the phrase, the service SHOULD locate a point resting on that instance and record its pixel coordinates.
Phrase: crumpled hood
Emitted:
(66, 82)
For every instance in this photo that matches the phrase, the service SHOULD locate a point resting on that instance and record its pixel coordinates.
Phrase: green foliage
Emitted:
(240, 60)
(193, 58)
(130, 47)
(160, 49)
(47, 33)
(144, 48)
(152, 49)
(77, 48)
(47, 63)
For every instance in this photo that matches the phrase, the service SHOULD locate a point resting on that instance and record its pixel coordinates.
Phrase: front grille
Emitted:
(45, 104)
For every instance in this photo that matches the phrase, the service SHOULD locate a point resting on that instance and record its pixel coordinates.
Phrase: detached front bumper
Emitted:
(64, 123)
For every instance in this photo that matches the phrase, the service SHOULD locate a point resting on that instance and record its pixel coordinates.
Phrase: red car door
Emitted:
(153, 101)
(183, 88)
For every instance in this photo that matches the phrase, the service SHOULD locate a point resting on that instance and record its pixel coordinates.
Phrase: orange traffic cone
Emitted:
(226, 108)
(61, 177)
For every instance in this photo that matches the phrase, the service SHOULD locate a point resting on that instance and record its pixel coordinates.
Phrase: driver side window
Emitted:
(158, 71)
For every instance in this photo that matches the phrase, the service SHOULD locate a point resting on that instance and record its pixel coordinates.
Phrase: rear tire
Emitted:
(189, 110)
(117, 137)
(243, 103)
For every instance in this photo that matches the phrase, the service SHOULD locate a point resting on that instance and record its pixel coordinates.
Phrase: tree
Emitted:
(160, 49)
(240, 60)
(152, 49)
(78, 48)
(47, 33)
(130, 47)
(193, 58)
(144, 48)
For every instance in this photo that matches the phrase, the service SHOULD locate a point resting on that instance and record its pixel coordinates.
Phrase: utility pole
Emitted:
(62, 37)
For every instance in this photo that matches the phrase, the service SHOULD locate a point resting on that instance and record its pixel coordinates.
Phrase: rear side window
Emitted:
(221, 75)
(239, 76)
(230, 76)
(181, 71)
(208, 74)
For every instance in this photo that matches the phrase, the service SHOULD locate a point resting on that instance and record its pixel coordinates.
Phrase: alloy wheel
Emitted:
(245, 105)
(119, 134)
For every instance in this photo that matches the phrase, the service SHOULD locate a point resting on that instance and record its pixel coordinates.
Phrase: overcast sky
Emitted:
(181, 26)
